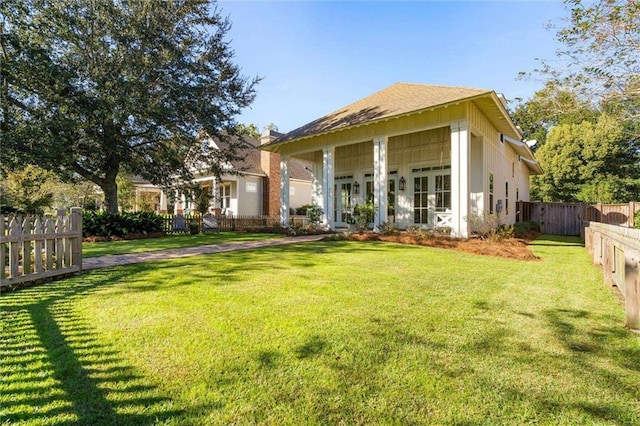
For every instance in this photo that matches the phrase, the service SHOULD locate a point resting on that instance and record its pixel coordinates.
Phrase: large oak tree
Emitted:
(91, 88)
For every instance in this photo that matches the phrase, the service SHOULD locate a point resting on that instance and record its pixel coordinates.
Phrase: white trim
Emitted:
(284, 190)
(380, 180)
(328, 170)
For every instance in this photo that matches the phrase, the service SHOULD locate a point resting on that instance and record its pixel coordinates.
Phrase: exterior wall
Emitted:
(248, 195)
(299, 193)
(502, 161)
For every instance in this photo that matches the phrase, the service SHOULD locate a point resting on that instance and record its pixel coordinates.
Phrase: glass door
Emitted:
(342, 202)
(432, 199)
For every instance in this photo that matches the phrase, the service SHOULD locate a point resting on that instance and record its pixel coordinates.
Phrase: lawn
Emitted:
(324, 333)
(168, 242)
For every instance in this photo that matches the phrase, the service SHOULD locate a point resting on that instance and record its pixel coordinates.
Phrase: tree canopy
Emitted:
(95, 88)
(586, 117)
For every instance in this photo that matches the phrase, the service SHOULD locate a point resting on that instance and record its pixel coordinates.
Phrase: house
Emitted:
(426, 155)
(250, 188)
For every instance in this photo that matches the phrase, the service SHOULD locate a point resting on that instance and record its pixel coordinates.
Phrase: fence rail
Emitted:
(37, 247)
(567, 218)
(617, 249)
(183, 224)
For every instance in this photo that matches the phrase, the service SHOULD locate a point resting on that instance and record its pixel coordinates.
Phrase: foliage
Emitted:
(26, 190)
(93, 89)
(388, 228)
(106, 224)
(485, 226)
(589, 162)
(126, 193)
(314, 214)
(250, 130)
(302, 210)
(636, 220)
(598, 56)
(363, 215)
(403, 335)
(524, 229)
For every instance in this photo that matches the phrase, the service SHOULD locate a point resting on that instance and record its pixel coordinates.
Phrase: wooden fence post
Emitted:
(632, 214)
(76, 244)
(607, 261)
(632, 289)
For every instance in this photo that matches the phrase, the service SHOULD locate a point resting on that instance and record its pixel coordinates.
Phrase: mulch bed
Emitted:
(510, 248)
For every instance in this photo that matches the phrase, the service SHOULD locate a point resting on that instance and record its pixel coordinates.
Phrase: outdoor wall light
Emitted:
(403, 182)
(356, 188)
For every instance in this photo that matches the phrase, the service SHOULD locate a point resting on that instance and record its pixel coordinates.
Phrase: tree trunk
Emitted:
(110, 188)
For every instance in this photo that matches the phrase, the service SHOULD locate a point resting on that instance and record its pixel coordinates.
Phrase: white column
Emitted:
(284, 190)
(176, 197)
(215, 193)
(460, 151)
(163, 202)
(327, 185)
(380, 180)
(316, 184)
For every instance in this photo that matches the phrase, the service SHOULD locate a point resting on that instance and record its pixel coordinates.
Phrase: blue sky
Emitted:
(315, 57)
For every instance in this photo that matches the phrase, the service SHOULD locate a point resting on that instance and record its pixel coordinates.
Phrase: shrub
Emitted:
(524, 229)
(636, 219)
(105, 224)
(387, 228)
(484, 226)
(314, 213)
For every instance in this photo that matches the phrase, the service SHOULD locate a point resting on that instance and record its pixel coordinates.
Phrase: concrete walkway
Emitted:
(150, 256)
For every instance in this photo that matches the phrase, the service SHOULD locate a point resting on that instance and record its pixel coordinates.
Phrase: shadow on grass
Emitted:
(57, 370)
(557, 241)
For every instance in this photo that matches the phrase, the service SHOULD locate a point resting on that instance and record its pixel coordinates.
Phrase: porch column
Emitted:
(163, 202)
(460, 151)
(215, 193)
(327, 186)
(176, 197)
(284, 190)
(380, 180)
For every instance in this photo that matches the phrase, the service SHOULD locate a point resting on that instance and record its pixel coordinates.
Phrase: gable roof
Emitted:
(395, 100)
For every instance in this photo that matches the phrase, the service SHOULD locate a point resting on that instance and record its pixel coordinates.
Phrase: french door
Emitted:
(432, 198)
(342, 201)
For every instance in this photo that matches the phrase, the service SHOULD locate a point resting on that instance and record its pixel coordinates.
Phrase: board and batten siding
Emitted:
(502, 161)
(425, 120)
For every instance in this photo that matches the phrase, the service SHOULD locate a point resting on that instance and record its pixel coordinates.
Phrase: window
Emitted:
(490, 193)
(506, 197)
(225, 196)
(443, 193)
(421, 199)
(252, 187)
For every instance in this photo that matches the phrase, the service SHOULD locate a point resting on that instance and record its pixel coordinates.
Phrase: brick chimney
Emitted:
(270, 163)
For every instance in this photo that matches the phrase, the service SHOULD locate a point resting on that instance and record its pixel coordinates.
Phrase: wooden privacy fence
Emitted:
(567, 218)
(37, 247)
(617, 249)
(181, 224)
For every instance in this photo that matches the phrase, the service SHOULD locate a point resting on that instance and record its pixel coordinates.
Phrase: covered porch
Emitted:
(425, 178)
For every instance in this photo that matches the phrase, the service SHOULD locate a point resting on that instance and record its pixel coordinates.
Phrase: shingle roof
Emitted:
(398, 99)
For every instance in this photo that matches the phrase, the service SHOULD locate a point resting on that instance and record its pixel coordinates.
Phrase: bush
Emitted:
(524, 229)
(636, 220)
(105, 224)
(387, 228)
(484, 226)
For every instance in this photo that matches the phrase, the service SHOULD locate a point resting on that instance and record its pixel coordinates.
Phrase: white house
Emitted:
(426, 155)
(251, 188)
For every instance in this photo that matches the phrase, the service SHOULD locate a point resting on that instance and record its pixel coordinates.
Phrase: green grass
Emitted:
(168, 242)
(324, 333)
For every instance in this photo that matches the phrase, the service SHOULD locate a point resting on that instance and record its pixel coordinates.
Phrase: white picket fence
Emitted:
(37, 247)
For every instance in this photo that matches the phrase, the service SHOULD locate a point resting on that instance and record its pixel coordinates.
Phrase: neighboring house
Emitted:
(426, 155)
(251, 188)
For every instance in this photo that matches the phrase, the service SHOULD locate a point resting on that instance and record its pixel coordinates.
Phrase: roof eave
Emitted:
(272, 146)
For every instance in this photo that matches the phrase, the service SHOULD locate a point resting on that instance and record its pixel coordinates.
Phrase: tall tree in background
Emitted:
(586, 119)
(94, 88)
